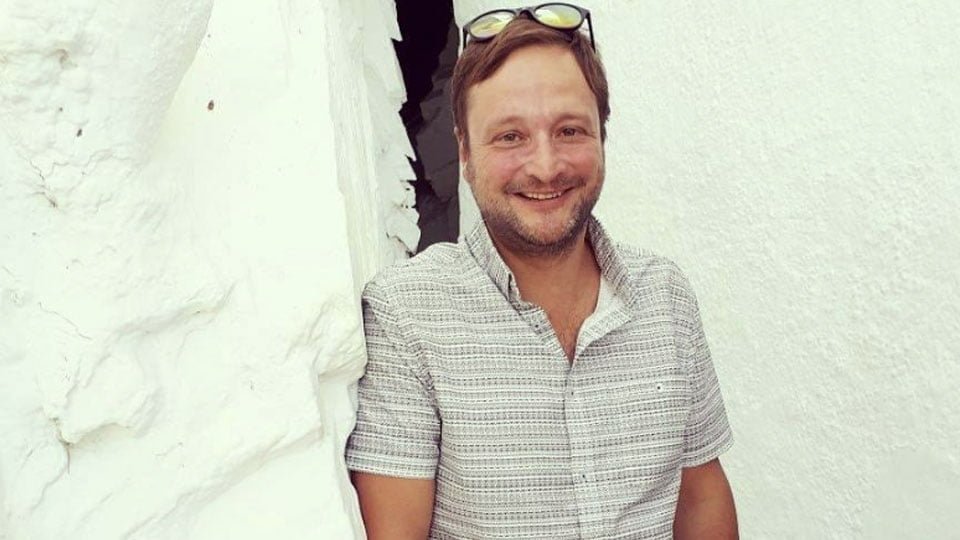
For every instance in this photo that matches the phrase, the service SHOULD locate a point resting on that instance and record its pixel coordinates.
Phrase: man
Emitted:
(537, 380)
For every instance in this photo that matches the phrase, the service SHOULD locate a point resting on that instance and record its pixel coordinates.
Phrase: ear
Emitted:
(463, 148)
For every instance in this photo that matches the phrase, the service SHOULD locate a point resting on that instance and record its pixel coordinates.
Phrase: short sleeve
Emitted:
(707, 433)
(398, 429)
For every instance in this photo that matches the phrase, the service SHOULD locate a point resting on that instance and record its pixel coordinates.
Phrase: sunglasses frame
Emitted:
(530, 10)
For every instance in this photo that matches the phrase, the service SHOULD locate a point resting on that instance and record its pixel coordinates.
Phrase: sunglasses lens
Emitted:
(559, 16)
(490, 24)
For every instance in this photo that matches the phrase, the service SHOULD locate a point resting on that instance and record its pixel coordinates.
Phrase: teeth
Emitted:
(542, 196)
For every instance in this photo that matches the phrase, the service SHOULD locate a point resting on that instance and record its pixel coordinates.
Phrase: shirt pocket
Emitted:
(639, 438)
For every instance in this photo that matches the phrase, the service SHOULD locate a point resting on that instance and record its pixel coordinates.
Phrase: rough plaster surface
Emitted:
(801, 161)
(184, 226)
(366, 91)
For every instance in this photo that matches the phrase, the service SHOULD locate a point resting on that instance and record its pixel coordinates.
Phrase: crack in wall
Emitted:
(65, 319)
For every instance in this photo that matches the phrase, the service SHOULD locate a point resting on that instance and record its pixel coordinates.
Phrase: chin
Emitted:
(548, 233)
(548, 239)
(537, 233)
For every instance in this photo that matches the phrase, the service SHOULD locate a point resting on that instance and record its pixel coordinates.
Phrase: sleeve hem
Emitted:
(708, 454)
(413, 473)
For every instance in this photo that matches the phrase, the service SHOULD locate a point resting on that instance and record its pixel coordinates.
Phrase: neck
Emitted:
(548, 279)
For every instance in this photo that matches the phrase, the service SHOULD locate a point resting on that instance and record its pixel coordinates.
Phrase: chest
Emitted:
(510, 401)
(567, 314)
(566, 325)
(500, 381)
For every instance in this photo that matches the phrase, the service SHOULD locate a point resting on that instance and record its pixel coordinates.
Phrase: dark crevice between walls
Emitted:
(427, 55)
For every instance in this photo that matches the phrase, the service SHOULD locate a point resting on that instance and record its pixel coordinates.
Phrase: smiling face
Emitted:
(534, 160)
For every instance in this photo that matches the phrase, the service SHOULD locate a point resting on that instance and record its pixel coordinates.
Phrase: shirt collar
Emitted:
(481, 246)
(611, 264)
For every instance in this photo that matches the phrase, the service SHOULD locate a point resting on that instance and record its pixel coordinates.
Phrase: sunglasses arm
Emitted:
(590, 28)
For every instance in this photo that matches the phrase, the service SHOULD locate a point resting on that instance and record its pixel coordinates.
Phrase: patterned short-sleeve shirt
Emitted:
(467, 383)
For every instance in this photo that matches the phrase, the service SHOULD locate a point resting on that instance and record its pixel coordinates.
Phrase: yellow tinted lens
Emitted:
(559, 16)
(490, 25)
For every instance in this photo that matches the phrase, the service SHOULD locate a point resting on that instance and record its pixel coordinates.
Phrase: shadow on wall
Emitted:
(427, 56)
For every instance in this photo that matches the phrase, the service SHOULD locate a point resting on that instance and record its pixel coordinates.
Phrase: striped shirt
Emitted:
(467, 383)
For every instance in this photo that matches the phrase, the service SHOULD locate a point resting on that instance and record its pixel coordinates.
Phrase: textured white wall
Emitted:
(185, 222)
(801, 161)
(366, 93)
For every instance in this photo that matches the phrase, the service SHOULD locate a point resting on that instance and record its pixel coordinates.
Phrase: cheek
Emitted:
(586, 159)
(499, 170)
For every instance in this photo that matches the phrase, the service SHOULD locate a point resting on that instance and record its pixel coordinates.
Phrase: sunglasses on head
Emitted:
(555, 15)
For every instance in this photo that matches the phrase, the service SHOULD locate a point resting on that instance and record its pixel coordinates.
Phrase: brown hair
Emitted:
(481, 59)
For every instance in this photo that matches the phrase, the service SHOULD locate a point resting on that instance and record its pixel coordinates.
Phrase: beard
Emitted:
(508, 228)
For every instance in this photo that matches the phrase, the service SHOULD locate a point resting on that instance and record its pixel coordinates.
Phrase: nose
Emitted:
(545, 162)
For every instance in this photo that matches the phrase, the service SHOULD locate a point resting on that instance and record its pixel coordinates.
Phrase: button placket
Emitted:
(578, 439)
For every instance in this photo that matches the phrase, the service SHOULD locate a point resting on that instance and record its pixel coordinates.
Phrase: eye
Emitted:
(509, 138)
(569, 131)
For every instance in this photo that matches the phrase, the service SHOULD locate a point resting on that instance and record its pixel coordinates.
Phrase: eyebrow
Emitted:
(574, 116)
(497, 122)
(514, 118)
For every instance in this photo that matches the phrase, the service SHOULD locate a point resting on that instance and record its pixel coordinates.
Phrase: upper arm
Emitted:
(394, 448)
(703, 482)
(394, 508)
(707, 433)
(397, 431)
(705, 507)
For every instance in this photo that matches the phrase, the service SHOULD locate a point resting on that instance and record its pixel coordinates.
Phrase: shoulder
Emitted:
(657, 283)
(648, 269)
(434, 273)
(660, 287)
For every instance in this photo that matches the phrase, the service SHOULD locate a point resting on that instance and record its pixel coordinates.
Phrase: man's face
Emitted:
(535, 158)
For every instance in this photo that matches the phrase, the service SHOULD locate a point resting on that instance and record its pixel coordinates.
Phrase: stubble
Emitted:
(507, 227)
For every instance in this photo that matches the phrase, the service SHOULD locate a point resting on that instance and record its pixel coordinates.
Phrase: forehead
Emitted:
(534, 80)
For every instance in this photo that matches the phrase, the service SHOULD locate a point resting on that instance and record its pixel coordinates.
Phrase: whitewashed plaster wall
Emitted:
(191, 196)
(801, 161)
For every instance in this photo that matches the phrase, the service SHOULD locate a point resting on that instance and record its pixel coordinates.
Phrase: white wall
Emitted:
(801, 161)
(179, 316)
